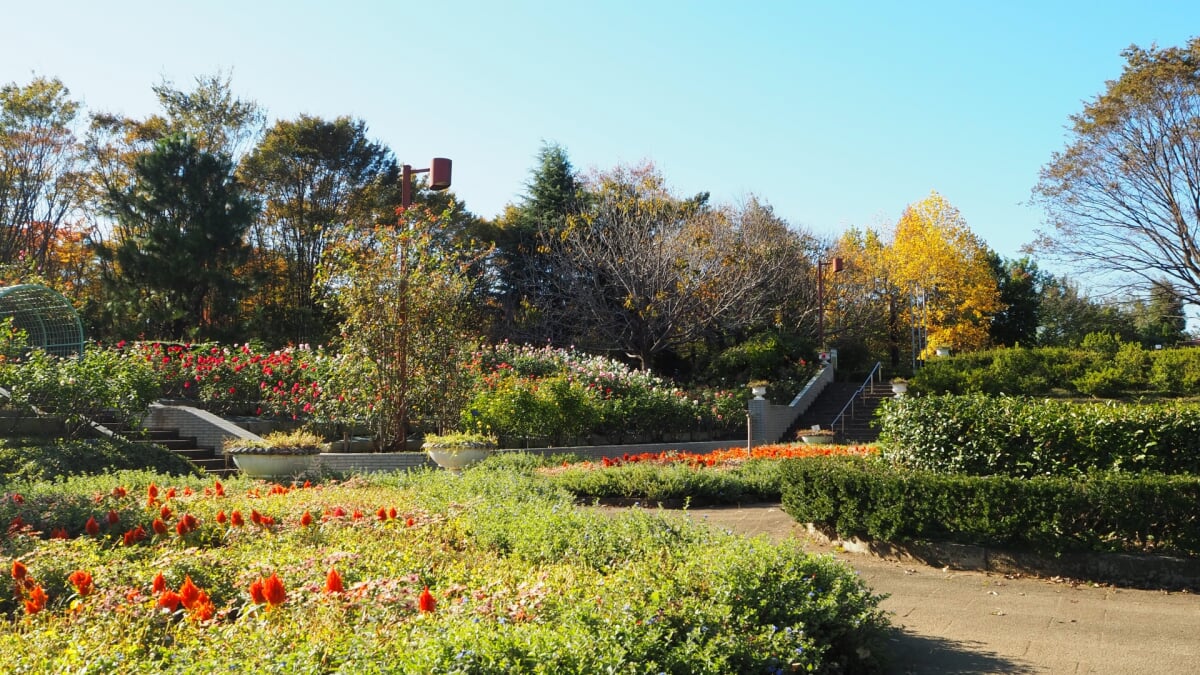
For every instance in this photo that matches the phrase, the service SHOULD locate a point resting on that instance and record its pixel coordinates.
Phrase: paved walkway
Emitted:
(972, 622)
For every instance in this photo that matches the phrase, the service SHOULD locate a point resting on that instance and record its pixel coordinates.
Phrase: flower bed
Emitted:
(410, 573)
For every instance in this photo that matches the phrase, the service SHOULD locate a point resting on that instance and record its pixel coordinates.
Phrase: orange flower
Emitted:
(92, 527)
(151, 494)
(392, 513)
(409, 523)
(220, 489)
(189, 593)
(36, 601)
(426, 602)
(159, 584)
(221, 517)
(159, 527)
(170, 600)
(333, 582)
(256, 592)
(82, 581)
(273, 591)
(119, 492)
(381, 513)
(255, 517)
(19, 571)
(203, 610)
(357, 515)
(306, 519)
(235, 519)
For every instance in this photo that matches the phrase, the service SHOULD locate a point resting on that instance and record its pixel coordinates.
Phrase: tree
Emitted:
(315, 176)
(179, 236)
(406, 302)
(1160, 319)
(1123, 198)
(943, 267)
(1067, 316)
(1020, 284)
(41, 168)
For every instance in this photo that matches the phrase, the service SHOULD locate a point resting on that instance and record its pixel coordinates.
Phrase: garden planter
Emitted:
(899, 388)
(455, 459)
(273, 466)
(818, 439)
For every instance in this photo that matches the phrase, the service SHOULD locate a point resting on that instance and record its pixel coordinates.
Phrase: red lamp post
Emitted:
(439, 178)
(837, 265)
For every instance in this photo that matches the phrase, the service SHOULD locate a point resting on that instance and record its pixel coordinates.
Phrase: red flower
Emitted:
(273, 590)
(220, 489)
(235, 519)
(92, 527)
(221, 518)
(113, 517)
(18, 499)
(256, 592)
(165, 512)
(333, 582)
(426, 602)
(36, 601)
(82, 581)
(159, 584)
(59, 533)
(152, 493)
(170, 600)
(357, 515)
(409, 523)
(19, 571)
(381, 513)
(255, 517)
(189, 593)
(306, 519)
(392, 513)
(159, 527)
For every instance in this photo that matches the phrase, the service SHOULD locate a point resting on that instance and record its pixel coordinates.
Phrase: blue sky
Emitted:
(837, 114)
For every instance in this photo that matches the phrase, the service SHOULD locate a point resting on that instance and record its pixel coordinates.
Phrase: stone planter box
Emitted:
(275, 467)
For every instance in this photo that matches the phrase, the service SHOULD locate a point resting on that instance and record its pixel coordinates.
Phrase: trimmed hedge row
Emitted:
(870, 498)
(1017, 436)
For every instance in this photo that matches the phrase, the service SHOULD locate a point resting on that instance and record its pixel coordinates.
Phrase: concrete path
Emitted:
(972, 622)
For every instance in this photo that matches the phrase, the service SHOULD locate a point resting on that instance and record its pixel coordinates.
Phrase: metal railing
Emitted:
(869, 383)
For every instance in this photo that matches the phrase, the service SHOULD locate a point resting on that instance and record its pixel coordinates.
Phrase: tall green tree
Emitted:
(1020, 284)
(315, 177)
(1160, 318)
(1123, 198)
(1067, 315)
(42, 168)
(179, 237)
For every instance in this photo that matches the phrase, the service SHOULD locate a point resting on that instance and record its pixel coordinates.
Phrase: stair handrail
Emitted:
(869, 382)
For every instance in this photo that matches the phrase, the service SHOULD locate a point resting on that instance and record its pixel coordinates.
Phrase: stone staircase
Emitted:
(206, 458)
(855, 426)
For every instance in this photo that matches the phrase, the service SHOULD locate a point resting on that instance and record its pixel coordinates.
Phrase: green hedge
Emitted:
(1017, 436)
(869, 498)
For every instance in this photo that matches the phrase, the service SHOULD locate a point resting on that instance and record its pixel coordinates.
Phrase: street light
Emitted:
(837, 265)
(439, 178)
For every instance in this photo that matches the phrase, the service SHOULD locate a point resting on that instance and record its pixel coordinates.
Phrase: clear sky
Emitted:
(836, 113)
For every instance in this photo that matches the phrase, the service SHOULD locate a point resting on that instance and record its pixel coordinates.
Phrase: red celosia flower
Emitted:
(221, 517)
(187, 492)
(357, 515)
(273, 590)
(338, 512)
(189, 593)
(18, 499)
(220, 489)
(255, 517)
(159, 584)
(333, 582)
(236, 520)
(181, 528)
(36, 601)
(170, 600)
(19, 571)
(170, 493)
(59, 533)
(113, 517)
(306, 519)
(381, 513)
(165, 513)
(256, 592)
(82, 581)
(392, 513)
(267, 521)
(203, 610)
(159, 527)
(409, 523)
(92, 527)
(152, 493)
(426, 601)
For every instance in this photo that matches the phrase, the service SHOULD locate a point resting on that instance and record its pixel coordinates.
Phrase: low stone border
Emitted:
(1122, 569)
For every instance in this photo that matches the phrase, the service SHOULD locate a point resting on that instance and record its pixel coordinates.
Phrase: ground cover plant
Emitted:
(728, 476)
(493, 571)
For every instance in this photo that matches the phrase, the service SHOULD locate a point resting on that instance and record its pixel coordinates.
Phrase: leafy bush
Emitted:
(41, 459)
(1017, 436)
(519, 580)
(867, 497)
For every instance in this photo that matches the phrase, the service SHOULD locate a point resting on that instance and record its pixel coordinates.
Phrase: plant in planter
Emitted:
(279, 454)
(758, 388)
(458, 451)
(818, 436)
(899, 386)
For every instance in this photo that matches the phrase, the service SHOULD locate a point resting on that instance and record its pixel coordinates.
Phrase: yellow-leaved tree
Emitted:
(943, 266)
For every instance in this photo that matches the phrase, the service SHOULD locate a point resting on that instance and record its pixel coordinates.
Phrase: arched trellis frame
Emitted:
(48, 319)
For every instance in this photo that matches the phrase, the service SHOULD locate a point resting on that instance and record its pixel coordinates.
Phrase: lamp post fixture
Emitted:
(837, 265)
(439, 178)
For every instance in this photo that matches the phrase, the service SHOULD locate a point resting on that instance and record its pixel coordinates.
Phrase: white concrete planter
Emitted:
(275, 467)
(456, 459)
(899, 388)
(823, 439)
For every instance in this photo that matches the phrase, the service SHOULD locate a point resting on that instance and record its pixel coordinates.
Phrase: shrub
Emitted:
(1017, 436)
(867, 497)
(39, 459)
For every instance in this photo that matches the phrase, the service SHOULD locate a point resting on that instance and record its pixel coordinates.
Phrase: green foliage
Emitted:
(1017, 436)
(755, 480)
(524, 582)
(101, 380)
(34, 459)
(864, 497)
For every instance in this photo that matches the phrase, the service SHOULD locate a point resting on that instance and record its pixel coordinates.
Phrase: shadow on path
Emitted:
(912, 653)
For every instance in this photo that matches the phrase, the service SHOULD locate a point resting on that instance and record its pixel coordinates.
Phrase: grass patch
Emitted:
(521, 581)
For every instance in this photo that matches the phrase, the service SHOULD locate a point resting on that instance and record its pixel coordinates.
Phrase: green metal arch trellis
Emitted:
(48, 319)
